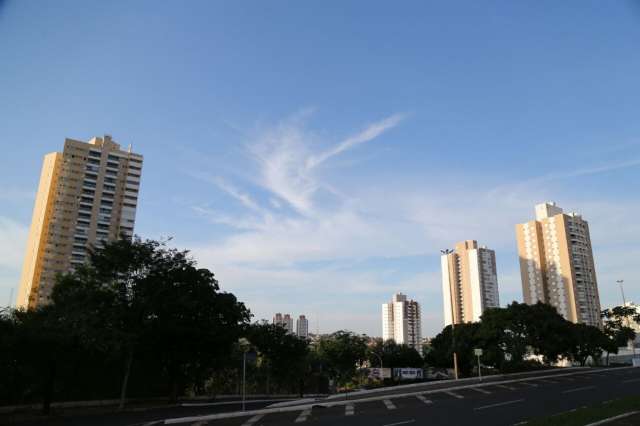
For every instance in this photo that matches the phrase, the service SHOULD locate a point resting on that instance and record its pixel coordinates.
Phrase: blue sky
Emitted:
(316, 156)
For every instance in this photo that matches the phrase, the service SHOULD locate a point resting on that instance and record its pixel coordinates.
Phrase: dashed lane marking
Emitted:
(389, 404)
(423, 399)
(533, 385)
(631, 380)
(253, 420)
(579, 389)
(401, 423)
(303, 416)
(505, 387)
(499, 404)
(348, 410)
(548, 381)
(453, 394)
(484, 391)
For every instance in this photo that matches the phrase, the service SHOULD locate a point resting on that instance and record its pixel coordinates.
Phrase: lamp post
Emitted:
(244, 344)
(624, 303)
(447, 252)
(624, 300)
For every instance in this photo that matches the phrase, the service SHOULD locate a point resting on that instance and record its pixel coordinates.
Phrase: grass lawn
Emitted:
(583, 416)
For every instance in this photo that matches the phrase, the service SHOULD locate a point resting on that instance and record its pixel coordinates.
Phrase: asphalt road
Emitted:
(491, 404)
(136, 416)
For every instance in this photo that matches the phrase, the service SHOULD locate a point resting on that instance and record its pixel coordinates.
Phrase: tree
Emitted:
(616, 327)
(136, 296)
(285, 355)
(393, 355)
(442, 346)
(341, 352)
(586, 341)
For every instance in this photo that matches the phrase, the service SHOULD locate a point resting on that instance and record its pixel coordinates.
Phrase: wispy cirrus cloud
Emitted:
(317, 248)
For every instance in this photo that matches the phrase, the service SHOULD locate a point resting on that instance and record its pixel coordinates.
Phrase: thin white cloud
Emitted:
(371, 132)
(305, 221)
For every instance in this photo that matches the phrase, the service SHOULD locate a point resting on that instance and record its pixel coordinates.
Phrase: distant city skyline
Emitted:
(322, 171)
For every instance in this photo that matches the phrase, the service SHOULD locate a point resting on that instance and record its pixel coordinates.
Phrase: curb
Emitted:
(611, 419)
(300, 407)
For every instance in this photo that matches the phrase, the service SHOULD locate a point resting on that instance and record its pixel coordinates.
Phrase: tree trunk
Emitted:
(48, 387)
(125, 380)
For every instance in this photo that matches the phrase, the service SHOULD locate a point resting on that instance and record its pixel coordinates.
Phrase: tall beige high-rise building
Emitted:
(469, 282)
(401, 321)
(556, 264)
(87, 195)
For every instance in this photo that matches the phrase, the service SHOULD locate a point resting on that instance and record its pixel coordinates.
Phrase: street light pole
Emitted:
(624, 303)
(446, 252)
(244, 377)
(624, 300)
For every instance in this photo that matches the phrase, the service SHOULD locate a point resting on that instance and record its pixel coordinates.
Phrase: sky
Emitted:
(316, 156)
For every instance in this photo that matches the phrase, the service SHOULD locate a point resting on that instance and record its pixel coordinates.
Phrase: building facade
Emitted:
(401, 321)
(302, 327)
(88, 194)
(556, 264)
(285, 321)
(469, 282)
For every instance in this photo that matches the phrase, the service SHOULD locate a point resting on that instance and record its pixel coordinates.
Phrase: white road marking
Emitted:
(569, 379)
(401, 423)
(506, 387)
(533, 385)
(631, 381)
(548, 381)
(348, 410)
(453, 394)
(610, 419)
(389, 404)
(520, 423)
(579, 389)
(253, 420)
(481, 390)
(423, 399)
(303, 416)
(499, 404)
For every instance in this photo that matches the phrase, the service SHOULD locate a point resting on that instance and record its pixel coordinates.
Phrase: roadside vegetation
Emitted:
(142, 320)
(593, 413)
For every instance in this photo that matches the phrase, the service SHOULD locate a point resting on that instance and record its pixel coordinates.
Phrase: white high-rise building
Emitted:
(469, 282)
(302, 327)
(401, 321)
(286, 321)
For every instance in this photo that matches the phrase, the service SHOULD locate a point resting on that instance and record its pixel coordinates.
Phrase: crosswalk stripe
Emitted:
(253, 420)
(389, 404)
(303, 416)
(453, 394)
(423, 399)
(505, 387)
(481, 390)
(348, 410)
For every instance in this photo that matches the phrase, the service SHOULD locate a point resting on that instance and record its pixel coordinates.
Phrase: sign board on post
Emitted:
(477, 352)
(380, 373)
(408, 373)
